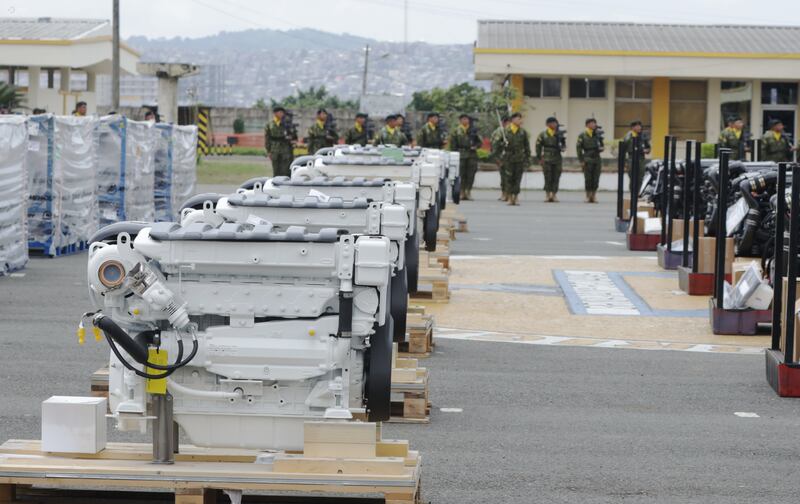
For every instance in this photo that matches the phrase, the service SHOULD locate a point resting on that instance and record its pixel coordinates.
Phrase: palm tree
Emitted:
(10, 96)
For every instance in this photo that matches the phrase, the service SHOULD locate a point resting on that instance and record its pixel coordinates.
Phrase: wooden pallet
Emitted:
(326, 469)
(443, 237)
(457, 221)
(438, 280)
(410, 393)
(100, 382)
(419, 330)
(440, 258)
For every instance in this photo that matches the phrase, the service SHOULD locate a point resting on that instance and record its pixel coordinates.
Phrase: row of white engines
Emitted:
(285, 288)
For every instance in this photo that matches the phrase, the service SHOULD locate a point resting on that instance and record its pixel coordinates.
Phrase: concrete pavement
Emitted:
(537, 423)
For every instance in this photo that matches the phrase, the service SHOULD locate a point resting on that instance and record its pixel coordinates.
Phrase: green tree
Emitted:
(315, 98)
(464, 98)
(261, 104)
(10, 96)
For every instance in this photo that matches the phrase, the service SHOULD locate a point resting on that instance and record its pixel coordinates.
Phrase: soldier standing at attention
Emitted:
(430, 136)
(319, 134)
(516, 156)
(731, 137)
(548, 152)
(390, 134)
(357, 135)
(278, 143)
(499, 142)
(468, 155)
(775, 146)
(589, 148)
(627, 148)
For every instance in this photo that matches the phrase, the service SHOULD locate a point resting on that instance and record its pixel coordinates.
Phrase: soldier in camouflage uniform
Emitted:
(430, 135)
(731, 138)
(516, 156)
(498, 142)
(548, 152)
(460, 141)
(775, 145)
(320, 134)
(626, 146)
(588, 148)
(278, 143)
(357, 135)
(390, 134)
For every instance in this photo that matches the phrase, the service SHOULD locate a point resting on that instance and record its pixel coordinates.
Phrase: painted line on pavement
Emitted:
(592, 342)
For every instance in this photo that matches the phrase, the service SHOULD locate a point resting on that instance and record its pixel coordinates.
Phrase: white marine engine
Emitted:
(285, 326)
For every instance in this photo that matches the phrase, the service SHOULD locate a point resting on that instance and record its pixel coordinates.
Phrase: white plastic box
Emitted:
(74, 424)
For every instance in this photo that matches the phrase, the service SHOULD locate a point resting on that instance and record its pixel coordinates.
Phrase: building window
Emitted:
(779, 93)
(687, 109)
(633, 89)
(535, 87)
(587, 88)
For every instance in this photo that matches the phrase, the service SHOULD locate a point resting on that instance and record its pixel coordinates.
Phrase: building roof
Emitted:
(634, 38)
(46, 28)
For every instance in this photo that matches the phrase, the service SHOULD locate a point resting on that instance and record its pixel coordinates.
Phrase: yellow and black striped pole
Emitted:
(203, 114)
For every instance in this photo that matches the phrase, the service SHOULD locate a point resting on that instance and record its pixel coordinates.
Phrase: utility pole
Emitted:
(405, 26)
(366, 65)
(115, 57)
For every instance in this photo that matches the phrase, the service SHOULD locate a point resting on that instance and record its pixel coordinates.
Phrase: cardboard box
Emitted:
(677, 228)
(739, 267)
(706, 261)
(783, 318)
(641, 207)
(74, 424)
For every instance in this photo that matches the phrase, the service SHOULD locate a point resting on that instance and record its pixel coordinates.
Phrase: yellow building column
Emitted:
(519, 97)
(660, 118)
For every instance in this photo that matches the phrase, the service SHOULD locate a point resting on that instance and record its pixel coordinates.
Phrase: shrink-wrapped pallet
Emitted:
(61, 163)
(126, 169)
(13, 193)
(176, 169)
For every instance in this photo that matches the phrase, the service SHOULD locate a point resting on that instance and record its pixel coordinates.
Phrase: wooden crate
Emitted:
(410, 393)
(419, 330)
(198, 474)
(438, 280)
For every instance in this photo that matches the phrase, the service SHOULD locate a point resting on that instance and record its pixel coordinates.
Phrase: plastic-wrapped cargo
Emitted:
(126, 169)
(62, 208)
(13, 193)
(176, 169)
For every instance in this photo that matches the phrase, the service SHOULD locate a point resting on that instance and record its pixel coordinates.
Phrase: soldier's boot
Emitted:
(512, 200)
(588, 197)
(548, 197)
(554, 198)
(503, 197)
(594, 197)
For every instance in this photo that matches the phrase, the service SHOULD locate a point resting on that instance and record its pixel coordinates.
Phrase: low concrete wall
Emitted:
(570, 180)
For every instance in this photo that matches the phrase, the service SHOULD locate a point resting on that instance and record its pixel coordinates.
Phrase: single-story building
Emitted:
(55, 61)
(682, 80)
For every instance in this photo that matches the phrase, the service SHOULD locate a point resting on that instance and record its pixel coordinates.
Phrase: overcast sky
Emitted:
(438, 21)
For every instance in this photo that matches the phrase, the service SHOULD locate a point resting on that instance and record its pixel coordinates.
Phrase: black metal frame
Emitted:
(777, 261)
(667, 154)
(722, 231)
(688, 171)
(670, 179)
(621, 183)
(791, 268)
(698, 179)
(635, 183)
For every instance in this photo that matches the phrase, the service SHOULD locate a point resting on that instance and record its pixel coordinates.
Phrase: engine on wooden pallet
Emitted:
(285, 326)
(425, 168)
(315, 211)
